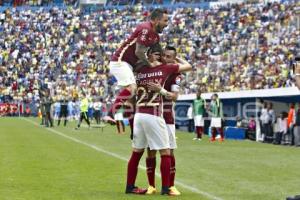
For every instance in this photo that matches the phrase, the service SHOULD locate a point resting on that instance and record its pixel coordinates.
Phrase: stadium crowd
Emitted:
(16, 3)
(232, 47)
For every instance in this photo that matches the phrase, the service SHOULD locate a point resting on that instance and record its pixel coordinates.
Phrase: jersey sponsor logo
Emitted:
(149, 75)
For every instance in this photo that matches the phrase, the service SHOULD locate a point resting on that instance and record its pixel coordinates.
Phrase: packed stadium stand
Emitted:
(232, 47)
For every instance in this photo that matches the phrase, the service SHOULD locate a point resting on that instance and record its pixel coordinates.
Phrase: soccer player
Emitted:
(84, 106)
(199, 105)
(47, 106)
(149, 127)
(172, 89)
(63, 110)
(131, 56)
(216, 120)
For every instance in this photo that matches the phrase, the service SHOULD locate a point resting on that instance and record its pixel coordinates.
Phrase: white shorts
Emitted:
(216, 122)
(150, 130)
(119, 116)
(172, 138)
(122, 71)
(198, 120)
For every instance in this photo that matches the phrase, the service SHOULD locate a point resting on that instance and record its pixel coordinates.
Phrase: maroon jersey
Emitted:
(148, 101)
(144, 35)
(168, 113)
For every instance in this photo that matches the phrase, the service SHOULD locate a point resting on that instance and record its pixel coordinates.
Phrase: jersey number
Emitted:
(143, 96)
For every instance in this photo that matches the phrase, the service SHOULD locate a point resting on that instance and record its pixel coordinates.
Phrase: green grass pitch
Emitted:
(64, 164)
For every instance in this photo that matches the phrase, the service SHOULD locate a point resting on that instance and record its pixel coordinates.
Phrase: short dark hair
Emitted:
(157, 13)
(155, 48)
(170, 48)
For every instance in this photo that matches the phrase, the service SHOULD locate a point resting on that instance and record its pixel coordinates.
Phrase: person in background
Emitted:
(264, 119)
(42, 107)
(56, 110)
(290, 123)
(216, 110)
(91, 110)
(84, 106)
(297, 127)
(104, 109)
(47, 104)
(97, 105)
(63, 110)
(251, 129)
(27, 111)
(77, 108)
(199, 105)
(238, 122)
(119, 121)
(282, 126)
(269, 126)
(70, 110)
(189, 115)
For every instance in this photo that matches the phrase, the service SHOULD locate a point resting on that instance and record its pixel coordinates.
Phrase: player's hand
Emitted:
(156, 87)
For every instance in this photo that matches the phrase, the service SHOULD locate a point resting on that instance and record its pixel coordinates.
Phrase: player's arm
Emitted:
(172, 96)
(174, 93)
(156, 87)
(140, 52)
(183, 65)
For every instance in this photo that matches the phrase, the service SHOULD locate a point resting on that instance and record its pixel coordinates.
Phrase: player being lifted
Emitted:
(131, 56)
(150, 129)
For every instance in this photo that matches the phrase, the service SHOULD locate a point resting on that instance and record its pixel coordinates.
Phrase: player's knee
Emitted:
(138, 150)
(151, 153)
(172, 152)
(164, 152)
(132, 88)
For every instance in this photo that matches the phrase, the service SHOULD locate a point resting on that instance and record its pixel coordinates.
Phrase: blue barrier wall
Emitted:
(234, 107)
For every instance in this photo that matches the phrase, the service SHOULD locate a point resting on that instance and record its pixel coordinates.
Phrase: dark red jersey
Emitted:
(172, 82)
(148, 101)
(143, 34)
